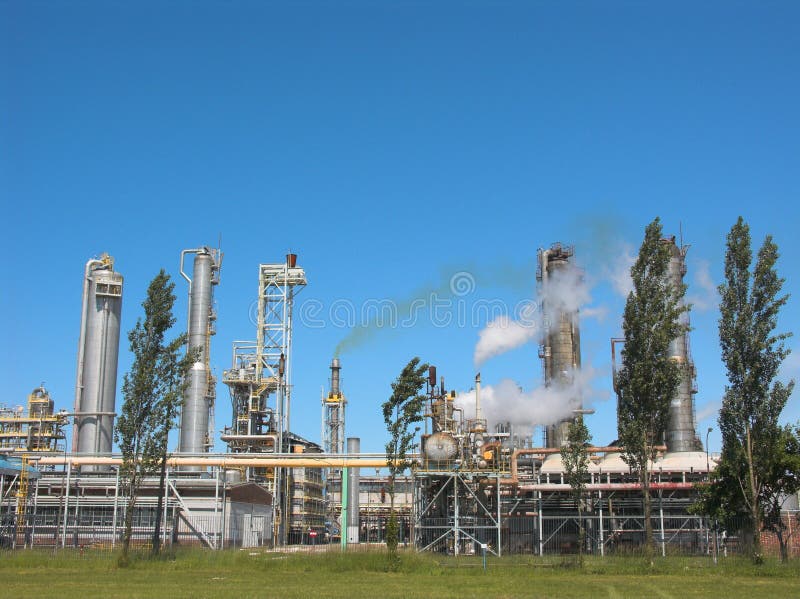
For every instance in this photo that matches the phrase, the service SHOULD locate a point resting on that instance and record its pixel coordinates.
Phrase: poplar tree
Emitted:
(152, 390)
(753, 442)
(575, 457)
(400, 412)
(648, 378)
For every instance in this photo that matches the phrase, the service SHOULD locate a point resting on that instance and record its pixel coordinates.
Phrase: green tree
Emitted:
(400, 412)
(648, 378)
(781, 482)
(752, 353)
(575, 457)
(152, 391)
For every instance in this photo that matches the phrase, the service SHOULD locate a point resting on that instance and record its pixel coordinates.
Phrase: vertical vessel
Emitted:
(680, 434)
(561, 342)
(196, 434)
(98, 355)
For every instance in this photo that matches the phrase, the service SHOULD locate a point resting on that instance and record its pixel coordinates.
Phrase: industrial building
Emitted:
(471, 487)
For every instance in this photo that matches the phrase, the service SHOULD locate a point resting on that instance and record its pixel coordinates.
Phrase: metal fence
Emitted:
(99, 528)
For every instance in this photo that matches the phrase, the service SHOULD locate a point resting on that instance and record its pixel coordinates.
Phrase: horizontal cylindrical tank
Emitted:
(98, 354)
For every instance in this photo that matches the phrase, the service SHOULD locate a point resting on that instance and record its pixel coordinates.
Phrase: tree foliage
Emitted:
(648, 378)
(575, 458)
(400, 412)
(754, 445)
(152, 392)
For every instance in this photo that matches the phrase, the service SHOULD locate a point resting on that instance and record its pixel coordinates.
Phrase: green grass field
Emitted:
(241, 574)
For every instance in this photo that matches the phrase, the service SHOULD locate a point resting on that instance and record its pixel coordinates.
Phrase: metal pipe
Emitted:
(216, 509)
(66, 507)
(608, 487)
(602, 532)
(353, 486)
(343, 495)
(232, 462)
(114, 519)
(478, 415)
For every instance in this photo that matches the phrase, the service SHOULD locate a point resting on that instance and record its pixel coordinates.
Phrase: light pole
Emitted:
(708, 476)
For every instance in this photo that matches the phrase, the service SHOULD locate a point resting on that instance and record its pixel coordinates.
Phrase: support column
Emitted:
(353, 484)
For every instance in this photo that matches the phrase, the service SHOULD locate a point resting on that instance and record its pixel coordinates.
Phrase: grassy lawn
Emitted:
(241, 574)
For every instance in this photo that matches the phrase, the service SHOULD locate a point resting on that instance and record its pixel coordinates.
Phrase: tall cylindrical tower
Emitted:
(98, 354)
(680, 434)
(198, 399)
(561, 345)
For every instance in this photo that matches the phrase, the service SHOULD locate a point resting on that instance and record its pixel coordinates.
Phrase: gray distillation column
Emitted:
(353, 483)
(98, 356)
(198, 399)
(561, 343)
(680, 435)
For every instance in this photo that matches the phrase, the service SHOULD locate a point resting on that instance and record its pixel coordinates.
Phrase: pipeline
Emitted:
(654, 486)
(232, 461)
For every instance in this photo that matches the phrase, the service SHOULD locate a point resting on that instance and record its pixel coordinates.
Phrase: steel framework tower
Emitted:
(263, 368)
(333, 406)
(259, 370)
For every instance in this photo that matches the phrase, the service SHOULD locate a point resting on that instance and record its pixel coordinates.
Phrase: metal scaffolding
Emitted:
(262, 369)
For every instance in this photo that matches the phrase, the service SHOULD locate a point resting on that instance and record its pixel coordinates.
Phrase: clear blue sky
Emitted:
(390, 145)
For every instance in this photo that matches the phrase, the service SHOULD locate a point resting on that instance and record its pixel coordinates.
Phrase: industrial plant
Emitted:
(473, 485)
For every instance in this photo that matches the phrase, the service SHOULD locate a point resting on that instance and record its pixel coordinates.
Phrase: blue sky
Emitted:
(391, 145)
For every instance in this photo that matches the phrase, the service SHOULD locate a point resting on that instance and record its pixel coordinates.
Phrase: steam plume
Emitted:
(507, 402)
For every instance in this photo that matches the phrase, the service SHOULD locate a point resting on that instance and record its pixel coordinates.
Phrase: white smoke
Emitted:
(501, 335)
(704, 294)
(507, 402)
(619, 274)
(711, 409)
(566, 291)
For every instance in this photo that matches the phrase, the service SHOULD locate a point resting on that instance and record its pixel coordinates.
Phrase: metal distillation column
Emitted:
(98, 356)
(561, 345)
(196, 433)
